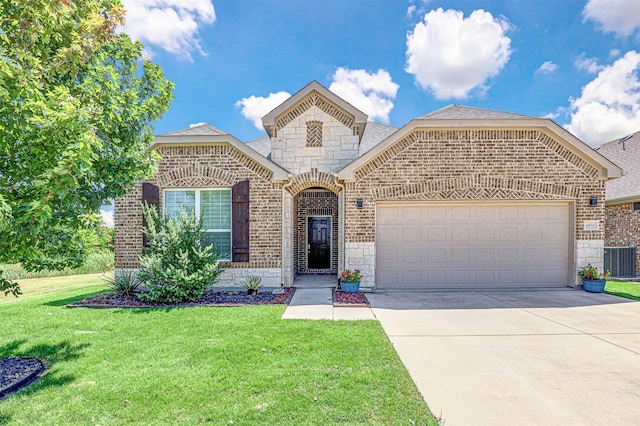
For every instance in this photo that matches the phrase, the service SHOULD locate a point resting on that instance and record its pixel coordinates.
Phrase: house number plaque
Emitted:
(591, 225)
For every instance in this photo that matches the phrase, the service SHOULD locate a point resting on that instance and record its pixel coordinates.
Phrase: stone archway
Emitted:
(315, 210)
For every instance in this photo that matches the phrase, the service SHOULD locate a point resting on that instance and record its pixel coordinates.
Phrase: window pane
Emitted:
(175, 201)
(215, 209)
(222, 240)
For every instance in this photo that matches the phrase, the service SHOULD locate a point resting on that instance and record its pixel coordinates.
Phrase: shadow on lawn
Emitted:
(50, 354)
(74, 299)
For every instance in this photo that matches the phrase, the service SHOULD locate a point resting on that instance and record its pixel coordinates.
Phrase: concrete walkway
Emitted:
(317, 304)
(519, 358)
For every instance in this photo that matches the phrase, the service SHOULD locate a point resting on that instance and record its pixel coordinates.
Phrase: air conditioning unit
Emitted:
(620, 261)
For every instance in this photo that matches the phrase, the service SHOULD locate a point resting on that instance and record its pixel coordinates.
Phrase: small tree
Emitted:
(77, 104)
(176, 266)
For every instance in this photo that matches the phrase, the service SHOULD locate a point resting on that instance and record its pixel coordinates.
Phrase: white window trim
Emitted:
(197, 209)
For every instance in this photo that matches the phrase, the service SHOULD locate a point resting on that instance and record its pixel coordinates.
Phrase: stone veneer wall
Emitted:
(210, 166)
(623, 228)
(339, 144)
(433, 165)
(314, 202)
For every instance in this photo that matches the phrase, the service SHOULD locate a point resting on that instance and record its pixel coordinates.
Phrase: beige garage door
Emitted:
(472, 245)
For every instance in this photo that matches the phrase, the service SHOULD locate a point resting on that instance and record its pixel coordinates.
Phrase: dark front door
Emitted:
(319, 243)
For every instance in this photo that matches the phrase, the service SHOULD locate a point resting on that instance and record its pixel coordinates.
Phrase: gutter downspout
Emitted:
(284, 224)
(341, 220)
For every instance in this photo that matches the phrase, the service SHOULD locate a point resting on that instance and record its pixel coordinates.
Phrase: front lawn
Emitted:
(239, 366)
(628, 289)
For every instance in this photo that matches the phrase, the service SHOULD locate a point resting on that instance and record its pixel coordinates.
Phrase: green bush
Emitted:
(176, 267)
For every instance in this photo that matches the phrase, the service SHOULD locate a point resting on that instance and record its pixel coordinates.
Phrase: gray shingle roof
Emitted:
(373, 134)
(461, 112)
(262, 146)
(626, 155)
(203, 129)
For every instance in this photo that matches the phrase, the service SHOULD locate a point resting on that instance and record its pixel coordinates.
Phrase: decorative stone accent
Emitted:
(312, 179)
(235, 277)
(314, 133)
(314, 139)
(590, 251)
(271, 277)
(361, 255)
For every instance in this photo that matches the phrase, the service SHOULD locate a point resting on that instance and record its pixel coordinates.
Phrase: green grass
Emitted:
(96, 262)
(627, 289)
(198, 365)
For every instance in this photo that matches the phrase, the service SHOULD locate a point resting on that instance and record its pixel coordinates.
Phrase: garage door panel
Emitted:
(434, 255)
(472, 245)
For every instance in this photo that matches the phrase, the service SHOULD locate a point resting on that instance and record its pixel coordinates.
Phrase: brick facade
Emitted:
(316, 140)
(431, 165)
(208, 166)
(626, 232)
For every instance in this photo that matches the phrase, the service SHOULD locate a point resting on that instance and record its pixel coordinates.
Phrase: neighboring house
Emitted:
(622, 210)
(459, 198)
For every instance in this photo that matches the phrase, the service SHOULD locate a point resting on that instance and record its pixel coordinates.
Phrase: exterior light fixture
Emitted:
(359, 203)
(593, 201)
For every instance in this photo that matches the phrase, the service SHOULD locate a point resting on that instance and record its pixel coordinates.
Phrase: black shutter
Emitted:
(151, 196)
(240, 220)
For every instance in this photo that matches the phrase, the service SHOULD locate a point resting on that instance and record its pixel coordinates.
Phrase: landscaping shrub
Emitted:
(123, 283)
(176, 267)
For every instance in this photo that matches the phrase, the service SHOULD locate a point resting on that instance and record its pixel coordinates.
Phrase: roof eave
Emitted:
(622, 200)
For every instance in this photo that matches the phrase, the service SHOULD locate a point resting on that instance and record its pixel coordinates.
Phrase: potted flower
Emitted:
(593, 281)
(350, 280)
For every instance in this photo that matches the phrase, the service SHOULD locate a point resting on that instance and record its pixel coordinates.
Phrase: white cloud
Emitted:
(370, 93)
(547, 67)
(609, 106)
(589, 65)
(107, 216)
(614, 53)
(171, 25)
(256, 107)
(196, 124)
(452, 55)
(617, 16)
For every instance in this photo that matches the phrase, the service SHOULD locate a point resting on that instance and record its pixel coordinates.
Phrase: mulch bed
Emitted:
(16, 373)
(218, 298)
(341, 298)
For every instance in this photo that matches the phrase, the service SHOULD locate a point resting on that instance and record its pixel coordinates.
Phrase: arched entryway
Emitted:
(315, 232)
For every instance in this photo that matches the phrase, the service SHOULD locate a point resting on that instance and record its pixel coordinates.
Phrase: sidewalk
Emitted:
(317, 304)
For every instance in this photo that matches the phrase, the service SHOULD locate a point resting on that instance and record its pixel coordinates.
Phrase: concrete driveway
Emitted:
(561, 357)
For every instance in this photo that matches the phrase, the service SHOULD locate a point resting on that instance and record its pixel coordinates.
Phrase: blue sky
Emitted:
(397, 60)
(232, 61)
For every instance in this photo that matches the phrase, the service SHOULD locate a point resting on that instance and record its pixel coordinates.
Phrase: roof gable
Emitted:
(207, 134)
(625, 152)
(314, 94)
(439, 120)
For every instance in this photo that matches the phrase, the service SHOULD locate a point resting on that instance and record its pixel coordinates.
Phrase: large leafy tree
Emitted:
(77, 104)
